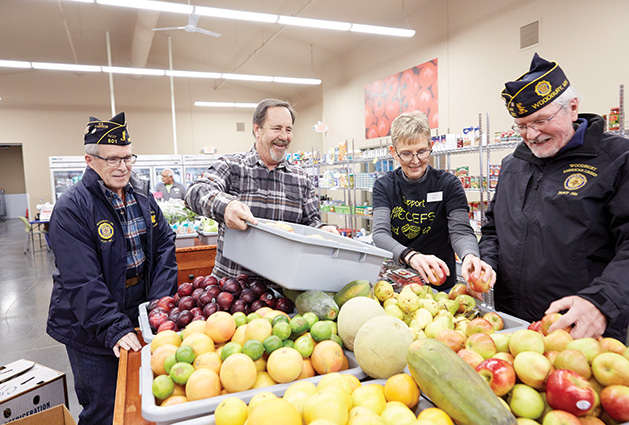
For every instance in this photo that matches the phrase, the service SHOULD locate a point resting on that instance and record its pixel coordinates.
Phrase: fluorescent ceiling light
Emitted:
(235, 14)
(290, 80)
(245, 77)
(133, 71)
(193, 74)
(225, 104)
(83, 1)
(14, 64)
(160, 6)
(372, 29)
(314, 23)
(66, 67)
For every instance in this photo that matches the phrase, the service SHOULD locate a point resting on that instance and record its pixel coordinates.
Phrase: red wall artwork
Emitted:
(406, 91)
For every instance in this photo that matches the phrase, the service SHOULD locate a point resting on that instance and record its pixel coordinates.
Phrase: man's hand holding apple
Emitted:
(587, 319)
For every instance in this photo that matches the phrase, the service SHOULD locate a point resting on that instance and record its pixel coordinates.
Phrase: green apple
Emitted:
(440, 296)
(526, 402)
(467, 303)
(559, 417)
(508, 357)
(502, 341)
(526, 340)
(573, 360)
(482, 343)
(590, 347)
(532, 368)
(557, 340)
(611, 369)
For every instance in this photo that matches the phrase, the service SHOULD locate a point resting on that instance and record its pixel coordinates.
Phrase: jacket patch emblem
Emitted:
(105, 230)
(575, 181)
(153, 219)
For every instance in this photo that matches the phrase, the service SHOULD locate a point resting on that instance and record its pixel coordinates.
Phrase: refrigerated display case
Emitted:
(195, 165)
(65, 171)
(150, 167)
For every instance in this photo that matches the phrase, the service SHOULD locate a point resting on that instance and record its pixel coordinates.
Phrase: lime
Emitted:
(320, 331)
(253, 316)
(282, 330)
(180, 372)
(299, 325)
(333, 326)
(253, 348)
(240, 318)
(304, 344)
(163, 387)
(170, 362)
(337, 339)
(311, 318)
(272, 343)
(289, 343)
(280, 318)
(185, 353)
(229, 349)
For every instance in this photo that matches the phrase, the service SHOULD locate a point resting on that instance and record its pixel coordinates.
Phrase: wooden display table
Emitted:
(196, 260)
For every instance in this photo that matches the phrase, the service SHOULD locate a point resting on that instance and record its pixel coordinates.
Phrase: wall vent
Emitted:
(529, 35)
(240, 126)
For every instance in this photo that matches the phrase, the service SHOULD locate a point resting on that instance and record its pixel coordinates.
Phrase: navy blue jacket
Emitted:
(560, 226)
(89, 283)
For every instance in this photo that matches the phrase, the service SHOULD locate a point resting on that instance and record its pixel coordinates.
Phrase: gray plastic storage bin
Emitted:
(301, 261)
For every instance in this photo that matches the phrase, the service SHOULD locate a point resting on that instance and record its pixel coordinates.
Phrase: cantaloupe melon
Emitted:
(353, 314)
(381, 345)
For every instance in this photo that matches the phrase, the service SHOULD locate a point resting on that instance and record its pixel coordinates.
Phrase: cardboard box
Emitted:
(27, 388)
(58, 415)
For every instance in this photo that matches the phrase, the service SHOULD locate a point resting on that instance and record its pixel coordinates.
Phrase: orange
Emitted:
(200, 342)
(163, 338)
(402, 388)
(238, 373)
(436, 415)
(159, 357)
(210, 360)
(174, 399)
(284, 364)
(198, 326)
(327, 357)
(263, 311)
(274, 412)
(220, 326)
(306, 371)
(203, 383)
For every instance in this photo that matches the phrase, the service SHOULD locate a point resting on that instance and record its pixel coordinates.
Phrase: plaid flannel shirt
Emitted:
(285, 193)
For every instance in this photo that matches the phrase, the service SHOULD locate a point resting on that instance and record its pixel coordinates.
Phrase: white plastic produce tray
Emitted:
(143, 319)
(208, 238)
(300, 261)
(171, 414)
(512, 323)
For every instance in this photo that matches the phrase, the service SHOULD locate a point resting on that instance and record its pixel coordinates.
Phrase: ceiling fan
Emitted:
(193, 20)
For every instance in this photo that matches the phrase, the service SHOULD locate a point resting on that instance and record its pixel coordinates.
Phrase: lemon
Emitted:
(274, 412)
(231, 411)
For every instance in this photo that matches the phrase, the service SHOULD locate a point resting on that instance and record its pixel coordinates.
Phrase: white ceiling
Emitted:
(69, 32)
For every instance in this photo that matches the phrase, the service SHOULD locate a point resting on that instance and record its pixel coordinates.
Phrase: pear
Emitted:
(440, 296)
(433, 328)
(408, 301)
(422, 317)
(430, 305)
(451, 305)
(383, 290)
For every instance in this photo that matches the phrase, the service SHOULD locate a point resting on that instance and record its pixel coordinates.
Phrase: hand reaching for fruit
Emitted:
(479, 275)
(430, 268)
(237, 214)
(588, 320)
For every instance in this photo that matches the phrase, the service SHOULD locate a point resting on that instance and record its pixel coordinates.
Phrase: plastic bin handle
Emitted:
(362, 257)
(335, 252)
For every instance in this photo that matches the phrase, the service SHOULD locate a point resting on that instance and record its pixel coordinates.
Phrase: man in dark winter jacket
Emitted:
(558, 226)
(113, 250)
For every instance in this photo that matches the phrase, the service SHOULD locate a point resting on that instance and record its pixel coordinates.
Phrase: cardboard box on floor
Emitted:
(58, 415)
(27, 388)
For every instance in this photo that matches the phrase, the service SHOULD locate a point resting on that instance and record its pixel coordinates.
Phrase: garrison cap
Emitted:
(112, 132)
(540, 86)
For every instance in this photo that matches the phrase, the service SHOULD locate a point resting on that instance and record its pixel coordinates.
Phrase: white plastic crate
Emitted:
(299, 260)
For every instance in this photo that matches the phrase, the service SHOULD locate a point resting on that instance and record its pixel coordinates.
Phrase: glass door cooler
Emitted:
(195, 165)
(65, 171)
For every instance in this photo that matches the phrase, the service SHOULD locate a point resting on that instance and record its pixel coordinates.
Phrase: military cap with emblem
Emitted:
(112, 132)
(542, 84)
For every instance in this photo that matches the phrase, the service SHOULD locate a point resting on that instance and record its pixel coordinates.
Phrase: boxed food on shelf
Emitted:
(306, 258)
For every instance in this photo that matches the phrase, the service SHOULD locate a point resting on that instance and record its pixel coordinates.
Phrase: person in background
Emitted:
(113, 251)
(169, 188)
(557, 228)
(241, 187)
(420, 213)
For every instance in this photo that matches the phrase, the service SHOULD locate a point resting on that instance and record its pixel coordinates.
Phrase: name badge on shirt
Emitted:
(434, 197)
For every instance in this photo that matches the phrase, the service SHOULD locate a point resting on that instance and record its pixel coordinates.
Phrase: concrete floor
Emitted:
(25, 285)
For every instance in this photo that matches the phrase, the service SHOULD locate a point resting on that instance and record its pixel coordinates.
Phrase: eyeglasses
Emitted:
(114, 161)
(408, 156)
(535, 125)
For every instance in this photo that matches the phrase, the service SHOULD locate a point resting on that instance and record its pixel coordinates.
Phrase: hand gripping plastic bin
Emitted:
(309, 258)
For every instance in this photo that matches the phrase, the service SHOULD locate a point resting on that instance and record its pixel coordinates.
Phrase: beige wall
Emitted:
(476, 43)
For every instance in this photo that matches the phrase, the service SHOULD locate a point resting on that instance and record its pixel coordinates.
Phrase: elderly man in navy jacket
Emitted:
(113, 250)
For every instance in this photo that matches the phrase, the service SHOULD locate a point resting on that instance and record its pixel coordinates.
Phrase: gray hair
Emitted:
(259, 114)
(92, 149)
(409, 126)
(567, 95)
(168, 172)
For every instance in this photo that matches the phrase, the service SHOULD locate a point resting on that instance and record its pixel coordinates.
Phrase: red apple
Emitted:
(437, 277)
(569, 391)
(456, 290)
(453, 339)
(532, 368)
(495, 319)
(168, 325)
(611, 369)
(559, 417)
(499, 374)
(167, 303)
(467, 303)
(482, 343)
(185, 289)
(573, 360)
(480, 284)
(536, 326)
(548, 320)
(590, 420)
(470, 357)
(557, 340)
(615, 401)
(479, 325)
(611, 344)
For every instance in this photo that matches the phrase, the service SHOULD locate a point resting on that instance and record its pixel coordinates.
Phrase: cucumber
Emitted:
(317, 302)
(356, 288)
(454, 386)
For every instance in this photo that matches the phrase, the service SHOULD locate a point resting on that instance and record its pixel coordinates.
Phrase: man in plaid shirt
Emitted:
(259, 183)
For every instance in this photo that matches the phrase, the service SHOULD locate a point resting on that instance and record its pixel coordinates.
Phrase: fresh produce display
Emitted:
(181, 219)
(207, 225)
(230, 353)
(198, 299)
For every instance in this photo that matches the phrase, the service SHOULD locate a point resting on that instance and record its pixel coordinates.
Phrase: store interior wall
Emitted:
(476, 43)
(12, 181)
